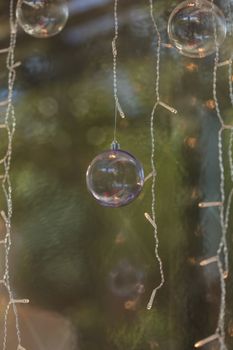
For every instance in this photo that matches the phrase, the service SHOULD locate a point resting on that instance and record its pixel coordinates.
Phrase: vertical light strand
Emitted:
(153, 166)
(118, 108)
(222, 250)
(220, 330)
(10, 125)
(230, 154)
(158, 102)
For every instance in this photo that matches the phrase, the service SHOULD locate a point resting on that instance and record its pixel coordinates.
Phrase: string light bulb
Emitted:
(206, 341)
(210, 204)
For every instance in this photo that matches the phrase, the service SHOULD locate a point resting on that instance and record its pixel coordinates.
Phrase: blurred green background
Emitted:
(95, 266)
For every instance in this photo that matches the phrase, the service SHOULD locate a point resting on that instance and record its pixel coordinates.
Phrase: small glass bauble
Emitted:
(42, 18)
(115, 178)
(191, 28)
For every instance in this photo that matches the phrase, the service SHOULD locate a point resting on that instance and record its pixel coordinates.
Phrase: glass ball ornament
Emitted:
(191, 28)
(42, 18)
(115, 178)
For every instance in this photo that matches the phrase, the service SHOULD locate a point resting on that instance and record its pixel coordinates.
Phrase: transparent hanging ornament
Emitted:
(192, 25)
(115, 177)
(42, 18)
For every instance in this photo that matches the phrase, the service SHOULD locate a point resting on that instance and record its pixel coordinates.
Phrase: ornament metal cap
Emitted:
(115, 146)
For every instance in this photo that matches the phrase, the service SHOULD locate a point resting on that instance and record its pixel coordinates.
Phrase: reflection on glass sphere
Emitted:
(115, 178)
(42, 18)
(191, 28)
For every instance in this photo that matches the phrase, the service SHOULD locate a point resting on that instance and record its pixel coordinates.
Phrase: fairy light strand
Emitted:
(153, 167)
(222, 245)
(152, 220)
(10, 125)
(230, 159)
(224, 215)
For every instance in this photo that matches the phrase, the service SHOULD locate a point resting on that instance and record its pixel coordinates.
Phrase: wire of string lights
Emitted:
(152, 218)
(222, 256)
(9, 125)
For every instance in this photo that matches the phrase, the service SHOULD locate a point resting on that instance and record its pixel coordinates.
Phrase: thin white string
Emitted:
(10, 125)
(118, 107)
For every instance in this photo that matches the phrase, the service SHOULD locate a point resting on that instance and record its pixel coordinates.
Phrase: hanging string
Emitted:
(224, 209)
(9, 125)
(153, 167)
(152, 218)
(118, 108)
(220, 330)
